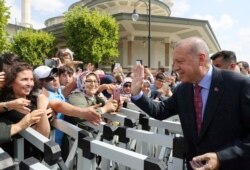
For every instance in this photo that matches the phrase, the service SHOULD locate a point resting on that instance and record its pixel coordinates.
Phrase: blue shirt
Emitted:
(205, 84)
(57, 96)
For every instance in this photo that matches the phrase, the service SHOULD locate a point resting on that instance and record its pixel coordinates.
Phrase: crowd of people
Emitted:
(34, 97)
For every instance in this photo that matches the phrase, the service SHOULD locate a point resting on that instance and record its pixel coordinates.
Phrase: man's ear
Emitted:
(232, 66)
(202, 59)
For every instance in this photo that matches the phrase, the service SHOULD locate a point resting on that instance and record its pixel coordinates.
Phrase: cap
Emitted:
(42, 72)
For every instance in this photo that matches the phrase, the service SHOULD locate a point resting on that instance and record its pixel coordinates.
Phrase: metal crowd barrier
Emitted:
(75, 133)
(51, 150)
(125, 135)
(91, 147)
(6, 162)
(32, 164)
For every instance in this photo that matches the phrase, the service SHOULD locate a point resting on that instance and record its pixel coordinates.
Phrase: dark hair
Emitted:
(129, 74)
(10, 58)
(161, 69)
(160, 76)
(174, 73)
(65, 69)
(244, 64)
(228, 56)
(11, 74)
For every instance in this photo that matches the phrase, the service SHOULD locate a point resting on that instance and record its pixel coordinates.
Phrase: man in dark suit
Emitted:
(222, 139)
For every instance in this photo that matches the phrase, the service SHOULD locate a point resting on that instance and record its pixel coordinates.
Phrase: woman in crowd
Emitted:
(155, 94)
(126, 89)
(89, 95)
(19, 97)
(23, 105)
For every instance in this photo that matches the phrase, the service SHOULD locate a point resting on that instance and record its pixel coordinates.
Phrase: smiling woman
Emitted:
(19, 86)
(89, 95)
(24, 102)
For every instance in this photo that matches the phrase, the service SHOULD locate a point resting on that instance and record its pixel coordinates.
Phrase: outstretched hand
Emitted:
(90, 114)
(136, 85)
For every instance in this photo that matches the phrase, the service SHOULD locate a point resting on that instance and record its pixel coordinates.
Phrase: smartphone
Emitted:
(137, 62)
(51, 63)
(117, 65)
(116, 94)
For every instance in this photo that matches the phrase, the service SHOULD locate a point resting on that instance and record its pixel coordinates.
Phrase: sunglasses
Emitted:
(48, 79)
(127, 85)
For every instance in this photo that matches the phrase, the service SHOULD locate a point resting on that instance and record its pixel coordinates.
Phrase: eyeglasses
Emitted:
(91, 81)
(127, 85)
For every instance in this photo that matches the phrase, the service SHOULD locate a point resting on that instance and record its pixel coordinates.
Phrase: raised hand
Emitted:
(136, 85)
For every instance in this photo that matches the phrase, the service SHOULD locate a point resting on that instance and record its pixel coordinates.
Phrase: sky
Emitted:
(228, 18)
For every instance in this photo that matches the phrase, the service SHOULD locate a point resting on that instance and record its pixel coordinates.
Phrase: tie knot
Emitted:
(197, 88)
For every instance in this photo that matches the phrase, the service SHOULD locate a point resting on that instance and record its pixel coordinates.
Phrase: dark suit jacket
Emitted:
(226, 123)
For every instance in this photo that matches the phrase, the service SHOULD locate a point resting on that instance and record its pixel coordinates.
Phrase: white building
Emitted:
(133, 42)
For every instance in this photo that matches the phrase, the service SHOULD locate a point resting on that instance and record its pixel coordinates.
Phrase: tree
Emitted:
(33, 46)
(92, 35)
(4, 16)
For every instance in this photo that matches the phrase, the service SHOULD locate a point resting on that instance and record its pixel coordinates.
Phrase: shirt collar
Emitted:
(206, 80)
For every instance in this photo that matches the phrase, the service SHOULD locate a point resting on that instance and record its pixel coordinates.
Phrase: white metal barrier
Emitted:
(6, 162)
(91, 147)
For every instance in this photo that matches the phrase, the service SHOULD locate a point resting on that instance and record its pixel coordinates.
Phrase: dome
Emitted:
(158, 8)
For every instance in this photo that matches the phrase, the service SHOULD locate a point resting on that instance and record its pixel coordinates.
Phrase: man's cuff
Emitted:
(137, 97)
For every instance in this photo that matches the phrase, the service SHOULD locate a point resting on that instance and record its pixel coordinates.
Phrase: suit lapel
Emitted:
(214, 96)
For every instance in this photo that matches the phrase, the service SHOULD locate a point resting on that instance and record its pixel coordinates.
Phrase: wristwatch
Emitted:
(5, 107)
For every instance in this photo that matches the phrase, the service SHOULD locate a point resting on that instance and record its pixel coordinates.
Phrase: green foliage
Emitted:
(4, 16)
(33, 46)
(92, 35)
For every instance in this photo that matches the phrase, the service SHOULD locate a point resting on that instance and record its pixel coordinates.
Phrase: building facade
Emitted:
(133, 35)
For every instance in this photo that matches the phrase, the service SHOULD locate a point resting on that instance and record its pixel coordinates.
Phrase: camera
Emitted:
(51, 63)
